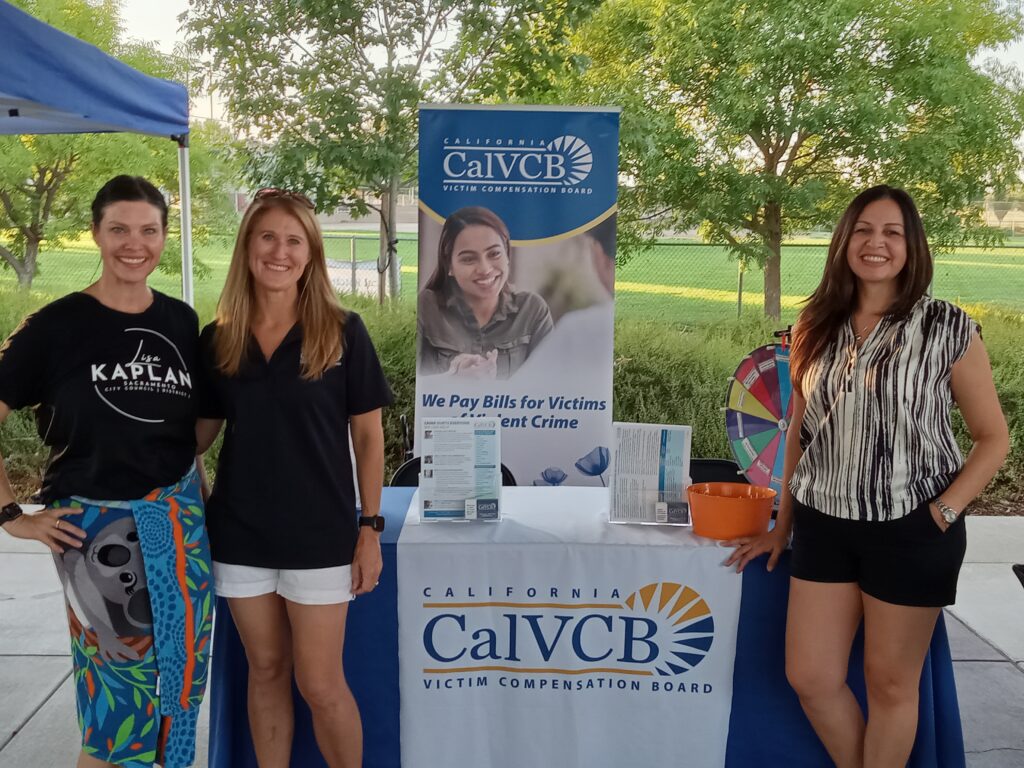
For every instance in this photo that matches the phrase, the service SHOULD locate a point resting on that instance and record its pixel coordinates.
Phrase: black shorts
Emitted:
(907, 561)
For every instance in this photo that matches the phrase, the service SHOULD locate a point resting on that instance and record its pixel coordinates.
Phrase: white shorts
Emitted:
(312, 586)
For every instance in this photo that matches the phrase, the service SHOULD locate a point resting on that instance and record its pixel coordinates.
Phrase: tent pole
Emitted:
(185, 185)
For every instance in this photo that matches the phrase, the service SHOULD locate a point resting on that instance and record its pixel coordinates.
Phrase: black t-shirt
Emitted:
(284, 496)
(113, 393)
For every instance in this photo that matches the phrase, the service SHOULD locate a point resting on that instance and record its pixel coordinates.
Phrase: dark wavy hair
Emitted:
(464, 217)
(131, 188)
(835, 299)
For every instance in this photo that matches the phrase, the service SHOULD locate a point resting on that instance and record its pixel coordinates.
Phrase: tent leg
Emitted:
(185, 183)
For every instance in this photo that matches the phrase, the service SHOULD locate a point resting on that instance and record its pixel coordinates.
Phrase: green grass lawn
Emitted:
(72, 268)
(677, 340)
(679, 283)
(703, 279)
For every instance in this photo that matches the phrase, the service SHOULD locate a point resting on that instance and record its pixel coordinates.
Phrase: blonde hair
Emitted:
(320, 314)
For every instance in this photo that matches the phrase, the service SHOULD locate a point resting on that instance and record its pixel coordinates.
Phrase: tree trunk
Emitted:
(394, 266)
(26, 271)
(388, 234)
(24, 282)
(773, 264)
(382, 253)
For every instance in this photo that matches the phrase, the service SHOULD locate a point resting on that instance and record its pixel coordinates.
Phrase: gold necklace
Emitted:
(865, 331)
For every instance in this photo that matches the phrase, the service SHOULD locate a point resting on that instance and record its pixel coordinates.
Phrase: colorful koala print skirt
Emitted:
(139, 602)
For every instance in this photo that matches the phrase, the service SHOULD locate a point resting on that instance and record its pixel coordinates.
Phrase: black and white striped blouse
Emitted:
(876, 433)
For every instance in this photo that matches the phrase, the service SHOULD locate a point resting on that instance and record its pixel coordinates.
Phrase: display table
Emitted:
(631, 644)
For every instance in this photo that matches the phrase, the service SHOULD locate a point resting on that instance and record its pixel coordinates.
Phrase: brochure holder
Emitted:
(650, 474)
(460, 470)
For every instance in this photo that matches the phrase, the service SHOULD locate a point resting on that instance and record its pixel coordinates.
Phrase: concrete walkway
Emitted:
(986, 627)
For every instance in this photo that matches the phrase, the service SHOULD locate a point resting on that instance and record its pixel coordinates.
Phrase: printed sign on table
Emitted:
(519, 654)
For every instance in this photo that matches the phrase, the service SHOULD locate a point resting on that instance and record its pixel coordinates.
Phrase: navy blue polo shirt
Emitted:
(284, 495)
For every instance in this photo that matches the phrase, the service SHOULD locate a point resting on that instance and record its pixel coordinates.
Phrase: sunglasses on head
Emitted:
(271, 192)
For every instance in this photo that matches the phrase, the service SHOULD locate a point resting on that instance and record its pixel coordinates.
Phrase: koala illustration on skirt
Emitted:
(107, 582)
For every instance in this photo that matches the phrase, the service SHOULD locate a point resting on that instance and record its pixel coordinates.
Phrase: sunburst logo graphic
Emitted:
(578, 156)
(686, 628)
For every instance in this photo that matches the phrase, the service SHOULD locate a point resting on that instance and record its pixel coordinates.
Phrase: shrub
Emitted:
(663, 374)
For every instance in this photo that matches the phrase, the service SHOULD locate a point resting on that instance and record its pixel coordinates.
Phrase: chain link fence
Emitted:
(696, 283)
(352, 262)
(680, 282)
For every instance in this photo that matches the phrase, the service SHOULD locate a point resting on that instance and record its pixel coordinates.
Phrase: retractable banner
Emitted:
(516, 281)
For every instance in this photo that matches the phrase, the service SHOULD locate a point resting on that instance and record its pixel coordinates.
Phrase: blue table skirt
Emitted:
(767, 727)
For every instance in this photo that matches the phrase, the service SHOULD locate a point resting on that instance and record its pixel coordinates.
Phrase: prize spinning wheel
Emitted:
(758, 409)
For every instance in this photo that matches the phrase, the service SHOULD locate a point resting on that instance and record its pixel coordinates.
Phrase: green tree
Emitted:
(530, 59)
(755, 120)
(329, 90)
(47, 182)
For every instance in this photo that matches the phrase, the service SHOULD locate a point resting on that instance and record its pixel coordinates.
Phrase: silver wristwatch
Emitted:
(948, 513)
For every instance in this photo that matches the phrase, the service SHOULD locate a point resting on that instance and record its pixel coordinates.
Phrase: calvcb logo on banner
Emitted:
(483, 163)
(663, 629)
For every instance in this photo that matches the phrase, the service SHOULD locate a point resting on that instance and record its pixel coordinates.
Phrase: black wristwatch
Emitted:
(376, 522)
(10, 512)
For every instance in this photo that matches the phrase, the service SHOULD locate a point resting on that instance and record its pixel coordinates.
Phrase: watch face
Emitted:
(6, 517)
(376, 522)
(10, 512)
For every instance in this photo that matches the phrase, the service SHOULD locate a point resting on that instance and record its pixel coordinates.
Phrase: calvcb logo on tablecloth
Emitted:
(663, 629)
(686, 615)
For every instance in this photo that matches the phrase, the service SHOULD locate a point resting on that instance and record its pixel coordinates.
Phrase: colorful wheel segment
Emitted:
(758, 409)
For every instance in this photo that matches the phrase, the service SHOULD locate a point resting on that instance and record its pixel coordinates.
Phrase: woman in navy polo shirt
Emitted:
(291, 372)
(875, 484)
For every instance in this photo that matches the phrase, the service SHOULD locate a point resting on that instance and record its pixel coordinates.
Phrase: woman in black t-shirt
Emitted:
(109, 372)
(292, 373)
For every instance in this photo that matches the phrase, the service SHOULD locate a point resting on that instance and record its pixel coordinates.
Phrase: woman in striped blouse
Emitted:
(875, 486)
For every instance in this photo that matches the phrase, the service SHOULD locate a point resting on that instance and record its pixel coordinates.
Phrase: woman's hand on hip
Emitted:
(367, 563)
(937, 517)
(746, 549)
(50, 527)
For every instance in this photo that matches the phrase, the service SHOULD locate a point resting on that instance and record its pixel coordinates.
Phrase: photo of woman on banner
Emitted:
(472, 321)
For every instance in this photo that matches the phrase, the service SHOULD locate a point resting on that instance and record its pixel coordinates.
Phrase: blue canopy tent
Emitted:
(51, 82)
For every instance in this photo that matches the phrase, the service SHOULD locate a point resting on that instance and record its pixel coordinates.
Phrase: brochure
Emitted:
(460, 469)
(650, 474)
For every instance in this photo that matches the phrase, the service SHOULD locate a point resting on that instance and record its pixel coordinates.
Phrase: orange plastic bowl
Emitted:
(730, 510)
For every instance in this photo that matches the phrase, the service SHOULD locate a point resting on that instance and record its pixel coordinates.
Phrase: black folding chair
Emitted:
(406, 438)
(716, 471)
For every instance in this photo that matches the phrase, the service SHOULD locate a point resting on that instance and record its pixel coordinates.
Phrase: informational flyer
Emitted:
(460, 469)
(650, 474)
